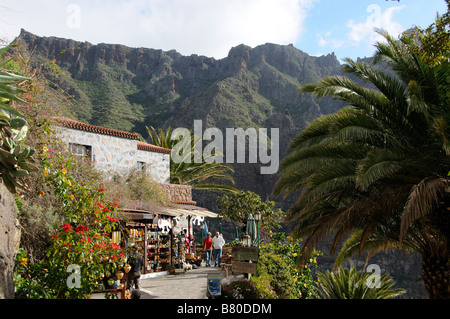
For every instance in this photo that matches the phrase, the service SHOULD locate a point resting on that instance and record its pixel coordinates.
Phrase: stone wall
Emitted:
(117, 154)
(9, 242)
(178, 193)
(156, 164)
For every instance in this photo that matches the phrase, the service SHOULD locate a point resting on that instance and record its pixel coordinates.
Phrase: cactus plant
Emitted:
(15, 157)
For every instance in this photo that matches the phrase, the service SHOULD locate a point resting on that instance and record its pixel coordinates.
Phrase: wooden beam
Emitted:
(243, 267)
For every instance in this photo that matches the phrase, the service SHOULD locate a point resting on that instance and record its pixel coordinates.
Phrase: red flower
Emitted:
(111, 218)
(66, 227)
(55, 236)
(102, 189)
(83, 240)
(99, 205)
(115, 246)
(81, 229)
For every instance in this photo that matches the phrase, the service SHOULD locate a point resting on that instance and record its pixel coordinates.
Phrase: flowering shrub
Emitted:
(240, 289)
(284, 252)
(80, 252)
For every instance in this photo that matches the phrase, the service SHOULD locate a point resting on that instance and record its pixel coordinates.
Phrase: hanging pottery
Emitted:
(119, 275)
(127, 268)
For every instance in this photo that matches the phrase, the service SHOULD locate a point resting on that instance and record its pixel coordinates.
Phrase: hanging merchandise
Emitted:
(198, 220)
(164, 224)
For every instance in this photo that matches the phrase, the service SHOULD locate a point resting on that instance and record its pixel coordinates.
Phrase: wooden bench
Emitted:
(226, 267)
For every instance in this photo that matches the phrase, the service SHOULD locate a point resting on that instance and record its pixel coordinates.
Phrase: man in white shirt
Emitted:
(217, 244)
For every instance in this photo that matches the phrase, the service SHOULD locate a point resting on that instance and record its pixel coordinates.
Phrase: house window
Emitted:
(81, 150)
(141, 165)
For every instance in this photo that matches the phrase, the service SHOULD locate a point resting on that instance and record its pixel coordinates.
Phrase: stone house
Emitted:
(118, 151)
(115, 151)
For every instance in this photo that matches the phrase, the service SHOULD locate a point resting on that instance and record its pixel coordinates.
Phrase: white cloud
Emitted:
(364, 31)
(322, 42)
(207, 27)
(327, 40)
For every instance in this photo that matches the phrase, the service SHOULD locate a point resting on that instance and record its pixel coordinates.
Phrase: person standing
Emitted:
(207, 247)
(217, 244)
(134, 276)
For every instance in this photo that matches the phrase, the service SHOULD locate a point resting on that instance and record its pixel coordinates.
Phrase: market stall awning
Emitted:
(175, 210)
(191, 210)
(136, 215)
(199, 213)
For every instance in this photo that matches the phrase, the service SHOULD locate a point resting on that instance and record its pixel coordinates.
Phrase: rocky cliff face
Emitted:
(9, 242)
(129, 88)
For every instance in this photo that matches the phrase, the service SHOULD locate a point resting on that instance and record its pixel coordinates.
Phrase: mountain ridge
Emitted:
(125, 88)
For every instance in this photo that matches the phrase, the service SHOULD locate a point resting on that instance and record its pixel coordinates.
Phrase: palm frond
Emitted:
(377, 165)
(424, 197)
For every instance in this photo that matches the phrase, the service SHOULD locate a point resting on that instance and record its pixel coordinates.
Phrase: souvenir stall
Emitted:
(184, 218)
(181, 239)
(152, 233)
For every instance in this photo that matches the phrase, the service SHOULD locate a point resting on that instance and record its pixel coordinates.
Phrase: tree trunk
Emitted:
(435, 274)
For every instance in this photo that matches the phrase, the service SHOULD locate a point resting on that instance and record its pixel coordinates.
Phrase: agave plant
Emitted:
(351, 284)
(15, 157)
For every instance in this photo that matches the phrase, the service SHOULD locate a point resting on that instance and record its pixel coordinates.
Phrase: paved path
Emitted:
(184, 285)
(188, 285)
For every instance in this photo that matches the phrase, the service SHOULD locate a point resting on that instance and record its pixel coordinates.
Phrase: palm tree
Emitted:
(189, 172)
(377, 170)
(351, 284)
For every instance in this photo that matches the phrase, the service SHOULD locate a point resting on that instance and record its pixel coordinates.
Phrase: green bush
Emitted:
(289, 250)
(274, 278)
(263, 286)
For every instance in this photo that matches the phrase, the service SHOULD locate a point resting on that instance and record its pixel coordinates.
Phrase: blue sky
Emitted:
(212, 27)
(346, 27)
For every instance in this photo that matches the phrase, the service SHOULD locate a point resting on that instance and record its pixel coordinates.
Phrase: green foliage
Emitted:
(278, 273)
(263, 285)
(135, 190)
(299, 274)
(81, 237)
(15, 157)
(238, 206)
(240, 289)
(351, 284)
(276, 281)
(432, 43)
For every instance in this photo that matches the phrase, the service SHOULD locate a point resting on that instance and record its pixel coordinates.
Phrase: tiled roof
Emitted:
(185, 202)
(69, 123)
(153, 148)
